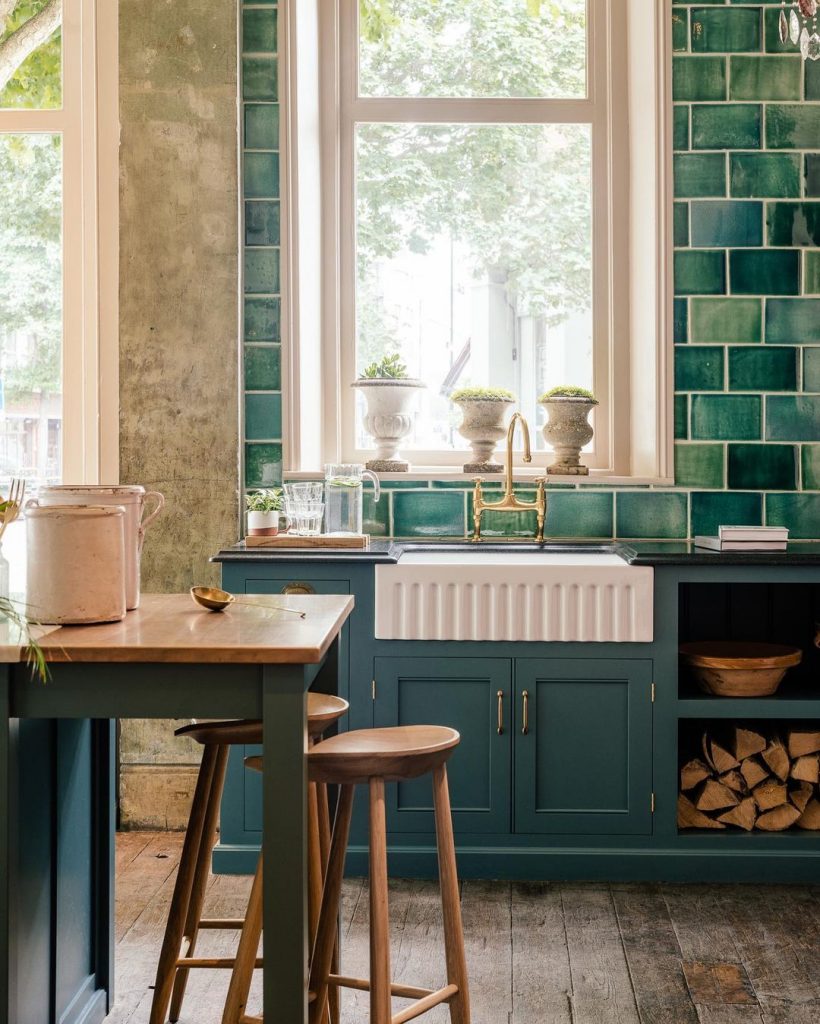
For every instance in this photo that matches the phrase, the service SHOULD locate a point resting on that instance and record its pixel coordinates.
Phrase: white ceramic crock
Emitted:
(132, 498)
(75, 563)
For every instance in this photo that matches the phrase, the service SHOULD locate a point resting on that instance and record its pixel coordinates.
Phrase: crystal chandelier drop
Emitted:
(800, 26)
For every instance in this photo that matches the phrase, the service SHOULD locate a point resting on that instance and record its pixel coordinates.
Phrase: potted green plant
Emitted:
(484, 415)
(568, 429)
(263, 508)
(390, 394)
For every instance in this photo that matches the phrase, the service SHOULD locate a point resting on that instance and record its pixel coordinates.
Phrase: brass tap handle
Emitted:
(500, 696)
(525, 727)
(541, 507)
(478, 508)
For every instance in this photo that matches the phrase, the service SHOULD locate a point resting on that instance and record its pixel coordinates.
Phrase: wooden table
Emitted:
(168, 659)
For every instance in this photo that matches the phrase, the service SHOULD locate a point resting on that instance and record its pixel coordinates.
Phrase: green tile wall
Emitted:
(746, 140)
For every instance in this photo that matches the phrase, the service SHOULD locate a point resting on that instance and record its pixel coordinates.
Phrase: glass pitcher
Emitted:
(343, 496)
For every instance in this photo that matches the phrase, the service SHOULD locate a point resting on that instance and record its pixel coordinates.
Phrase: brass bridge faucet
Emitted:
(509, 502)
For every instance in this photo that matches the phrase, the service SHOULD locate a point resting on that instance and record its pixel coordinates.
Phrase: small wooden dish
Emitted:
(729, 668)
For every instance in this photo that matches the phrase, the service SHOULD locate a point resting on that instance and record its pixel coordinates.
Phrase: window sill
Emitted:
(521, 474)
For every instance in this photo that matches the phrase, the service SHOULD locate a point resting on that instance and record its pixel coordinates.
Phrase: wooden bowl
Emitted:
(738, 668)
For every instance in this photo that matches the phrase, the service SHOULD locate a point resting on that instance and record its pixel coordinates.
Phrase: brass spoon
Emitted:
(216, 600)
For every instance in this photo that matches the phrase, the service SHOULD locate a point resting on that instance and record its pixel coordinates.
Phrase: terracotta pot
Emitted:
(389, 419)
(263, 524)
(567, 431)
(738, 668)
(483, 425)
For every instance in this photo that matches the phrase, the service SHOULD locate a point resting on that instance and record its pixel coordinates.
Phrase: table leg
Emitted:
(8, 995)
(284, 832)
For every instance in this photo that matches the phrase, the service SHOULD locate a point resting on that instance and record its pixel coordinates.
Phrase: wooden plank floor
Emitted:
(538, 953)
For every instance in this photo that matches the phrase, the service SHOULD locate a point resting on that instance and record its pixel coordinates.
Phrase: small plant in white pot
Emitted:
(390, 395)
(485, 413)
(568, 429)
(264, 507)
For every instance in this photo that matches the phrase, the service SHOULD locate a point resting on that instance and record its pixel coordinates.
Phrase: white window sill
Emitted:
(521, 474)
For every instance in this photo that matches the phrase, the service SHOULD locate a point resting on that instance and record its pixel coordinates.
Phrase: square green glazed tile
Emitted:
(259, 31)
(700, 272)
(579, 514)
(699, 78)
(760, 467)
(263, 465)
(763, 369)
(656, 514)
(262, 222)
(680, 30)
(699, 465)
(261, 175)
(263, 417)
(792, 126)
(726, 417)
(681, 417)
(726, 30)
(766, 78)
(764, 271)
(725, 223)
(262, 319)
(810, 459)
(260, 78)
(681, 225)
(699, 175)
(698, 368)
(793, 321)
(261, 271)
(376, 514)
(811, 273)
(811, 369)
(680, 127)
(799, 512)
(681, 324)
(764, 175)
(771, 17)
(428, 514)
(795, 224)
(261, 126)
(714, 509)
(812, 80)
(263, 370)
(726, 126)
(793, 418)
(813, 174)
(737, 321)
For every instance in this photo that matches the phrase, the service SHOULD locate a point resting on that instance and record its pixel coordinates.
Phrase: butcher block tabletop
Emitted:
(171, 628)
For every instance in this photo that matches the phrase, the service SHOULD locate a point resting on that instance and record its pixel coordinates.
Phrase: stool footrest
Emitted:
(221, 922)
(443, 995)
(211, 962)
(426, 998)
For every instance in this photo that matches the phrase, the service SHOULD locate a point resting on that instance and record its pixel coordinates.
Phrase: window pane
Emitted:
(472, 48)
(31, 71)
(30, 308)
(474, 261)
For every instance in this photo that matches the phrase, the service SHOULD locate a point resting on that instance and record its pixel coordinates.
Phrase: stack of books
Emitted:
(746, 538)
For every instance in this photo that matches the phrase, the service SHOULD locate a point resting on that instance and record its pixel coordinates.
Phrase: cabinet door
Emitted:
(465, 694)
(583, 760)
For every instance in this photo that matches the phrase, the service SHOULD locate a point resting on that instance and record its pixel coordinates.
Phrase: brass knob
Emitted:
(298, 588)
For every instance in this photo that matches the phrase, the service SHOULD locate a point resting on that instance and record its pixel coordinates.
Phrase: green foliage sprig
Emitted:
(264, 500)
(568, 391)
(482, 395)
(386, 368)
(34, 652)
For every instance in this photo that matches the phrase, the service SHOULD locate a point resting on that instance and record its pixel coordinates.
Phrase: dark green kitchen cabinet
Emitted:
(583, 746)
(473, 696)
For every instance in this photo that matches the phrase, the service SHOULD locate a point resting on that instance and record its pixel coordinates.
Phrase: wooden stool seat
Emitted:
(185, 919)
(402, 752)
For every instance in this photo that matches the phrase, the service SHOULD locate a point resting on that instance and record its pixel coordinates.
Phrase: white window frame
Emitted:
(629, 106)
(88, 122)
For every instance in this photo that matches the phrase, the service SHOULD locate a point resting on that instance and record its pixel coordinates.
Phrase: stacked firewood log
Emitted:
(752, 778)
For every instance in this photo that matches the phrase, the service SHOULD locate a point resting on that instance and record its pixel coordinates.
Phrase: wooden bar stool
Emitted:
(372, 756)
(185, 915)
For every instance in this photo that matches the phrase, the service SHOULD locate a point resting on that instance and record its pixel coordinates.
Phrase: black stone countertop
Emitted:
(657, 553)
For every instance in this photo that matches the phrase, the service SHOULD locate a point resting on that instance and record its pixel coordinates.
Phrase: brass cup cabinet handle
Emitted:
(525, 700)
(500, 696)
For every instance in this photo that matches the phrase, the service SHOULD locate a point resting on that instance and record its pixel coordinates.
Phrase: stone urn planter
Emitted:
(485, 412)
(391, 396)
(567, 429)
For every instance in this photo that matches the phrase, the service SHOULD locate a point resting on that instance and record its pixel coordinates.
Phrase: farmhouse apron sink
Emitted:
(528, 592)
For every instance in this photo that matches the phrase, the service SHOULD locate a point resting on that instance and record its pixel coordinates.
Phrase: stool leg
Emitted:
(380, 1001)
(450, 901)
(172, 941)
(242, 974)
(328, 929)
(203, 869)
(316, 870)
(324, 843)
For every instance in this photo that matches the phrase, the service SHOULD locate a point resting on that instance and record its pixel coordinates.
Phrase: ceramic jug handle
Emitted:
(377, 489)
(160, 500)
